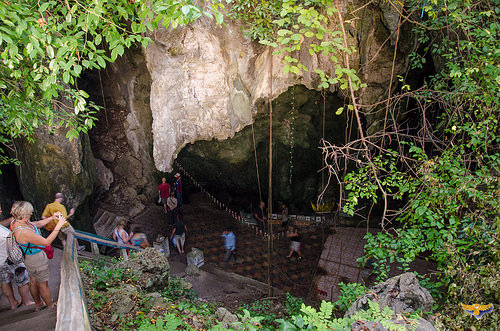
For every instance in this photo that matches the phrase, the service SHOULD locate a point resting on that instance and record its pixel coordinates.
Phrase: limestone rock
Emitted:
(186, 285)
(209, 82)
(226, 317)
(402, 293)
(107, 155)
(157, 300)
(51, 164)
(150, 267)
(192, 270)
(104, 176)
(130, 168)
(121, 299)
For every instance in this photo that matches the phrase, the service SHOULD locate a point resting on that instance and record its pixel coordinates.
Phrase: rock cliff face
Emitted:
(199, 83)
(209, 82)
(54, 164)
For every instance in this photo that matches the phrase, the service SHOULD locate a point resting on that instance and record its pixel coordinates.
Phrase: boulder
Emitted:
(226, 317)
(403, 294)
(121, 299)
(192, 270)
(51, 163)
(186, 285)
(150, 267)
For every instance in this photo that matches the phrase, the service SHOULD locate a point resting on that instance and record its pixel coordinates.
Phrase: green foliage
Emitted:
(262, 309)
(46, 45)
(104, 276)
(287, 26)
(257, 16)
(448, 174)
(175, 291)
(312, 319)
(348, 294)
(293, 304)
(169, 322)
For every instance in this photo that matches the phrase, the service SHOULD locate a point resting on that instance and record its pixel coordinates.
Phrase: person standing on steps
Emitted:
(172, 207)
(295, 243)
(229, 245)
(17, 273)
(120, 233)
(27, 235)
(54, 207)
(284, 218)
(260, 217)
(163, 193)
(178, 189)
(179, 232)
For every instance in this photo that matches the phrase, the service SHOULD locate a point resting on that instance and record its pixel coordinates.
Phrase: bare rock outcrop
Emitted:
(51, 163)
(208, 81)
(402, 293)
(150, 268)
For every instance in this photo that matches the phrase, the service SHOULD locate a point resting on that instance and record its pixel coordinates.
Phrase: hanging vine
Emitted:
(291, 135)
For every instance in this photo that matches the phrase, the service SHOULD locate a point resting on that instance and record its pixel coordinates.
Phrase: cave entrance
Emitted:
(301, 118)
(9, 187)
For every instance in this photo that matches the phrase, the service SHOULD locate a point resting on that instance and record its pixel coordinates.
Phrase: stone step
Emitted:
(6, 312)
(99, 213)
(29, 320)
(105, 224)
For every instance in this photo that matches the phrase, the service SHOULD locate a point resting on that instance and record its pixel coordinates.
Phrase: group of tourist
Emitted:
(290, 232)
(32, 275)
(135, 238)
(170, 196)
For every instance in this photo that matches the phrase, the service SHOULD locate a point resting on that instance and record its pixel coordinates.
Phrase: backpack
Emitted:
(9, 249)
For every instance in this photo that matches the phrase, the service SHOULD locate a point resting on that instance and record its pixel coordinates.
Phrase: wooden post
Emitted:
(94, 248)
(72, 311)
(124, 254)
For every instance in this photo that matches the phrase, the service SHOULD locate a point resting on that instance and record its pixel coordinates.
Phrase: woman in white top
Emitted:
(120, 234)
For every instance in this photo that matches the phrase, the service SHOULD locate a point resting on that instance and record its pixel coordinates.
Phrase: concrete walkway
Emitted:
(25, 317)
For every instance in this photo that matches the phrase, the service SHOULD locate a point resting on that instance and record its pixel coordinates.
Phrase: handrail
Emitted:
(95, 239)
(72, 311)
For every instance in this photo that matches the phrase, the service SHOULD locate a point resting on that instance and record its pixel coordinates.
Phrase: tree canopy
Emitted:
(45, 46)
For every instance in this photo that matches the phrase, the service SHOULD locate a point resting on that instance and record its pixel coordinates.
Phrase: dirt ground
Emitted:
(205, 224)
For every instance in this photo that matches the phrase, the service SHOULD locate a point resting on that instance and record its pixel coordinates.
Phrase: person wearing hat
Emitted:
(54, 207)
(178, 189)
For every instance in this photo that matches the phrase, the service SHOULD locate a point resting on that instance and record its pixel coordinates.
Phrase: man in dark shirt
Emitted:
(179, 233)
(178, 189)
(260, 217)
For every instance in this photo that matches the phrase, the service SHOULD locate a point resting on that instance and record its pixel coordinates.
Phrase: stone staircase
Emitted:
(104, 222)
(26, 318)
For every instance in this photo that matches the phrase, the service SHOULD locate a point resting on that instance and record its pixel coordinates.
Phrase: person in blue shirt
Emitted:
(229, 245)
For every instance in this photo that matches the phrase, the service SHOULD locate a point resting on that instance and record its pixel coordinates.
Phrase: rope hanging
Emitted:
(256, 161)
(270, 188)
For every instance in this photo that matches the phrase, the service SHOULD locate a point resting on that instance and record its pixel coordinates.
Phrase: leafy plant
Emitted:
(312, 319)
(348, 294)
(293, 304)
(169, 322)
(175, 291)
(46, 45)
(103, 276)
